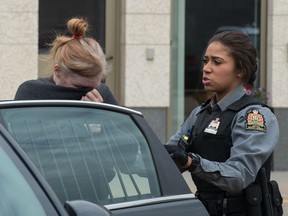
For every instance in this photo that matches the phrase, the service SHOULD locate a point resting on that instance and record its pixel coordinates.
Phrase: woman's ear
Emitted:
(240, 74)
(57, 70)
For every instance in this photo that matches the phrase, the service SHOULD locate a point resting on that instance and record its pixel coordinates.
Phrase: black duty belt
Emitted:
(219, 203)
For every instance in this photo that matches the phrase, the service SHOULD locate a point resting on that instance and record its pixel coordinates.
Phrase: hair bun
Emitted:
(78, 27)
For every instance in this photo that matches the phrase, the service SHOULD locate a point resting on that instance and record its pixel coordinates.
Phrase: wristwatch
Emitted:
(195, 161)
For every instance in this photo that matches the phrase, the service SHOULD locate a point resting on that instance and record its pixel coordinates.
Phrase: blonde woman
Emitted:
(79, 65)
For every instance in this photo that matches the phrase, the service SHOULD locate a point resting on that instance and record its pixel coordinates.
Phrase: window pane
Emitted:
(53, 15)
(17, 197)
(95, 155)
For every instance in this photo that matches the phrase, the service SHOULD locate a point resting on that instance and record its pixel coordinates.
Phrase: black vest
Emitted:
(216, 144)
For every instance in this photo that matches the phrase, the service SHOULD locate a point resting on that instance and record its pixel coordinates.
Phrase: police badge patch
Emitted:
(255, 121)
(213, 126)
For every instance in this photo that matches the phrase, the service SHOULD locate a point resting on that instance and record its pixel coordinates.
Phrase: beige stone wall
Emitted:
(147, 26)
(18, 44)
(277, 49)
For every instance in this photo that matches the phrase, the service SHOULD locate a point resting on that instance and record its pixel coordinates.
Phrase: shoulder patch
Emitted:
(255, 121)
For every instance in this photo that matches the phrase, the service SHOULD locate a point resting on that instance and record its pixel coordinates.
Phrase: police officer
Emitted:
(226, 141)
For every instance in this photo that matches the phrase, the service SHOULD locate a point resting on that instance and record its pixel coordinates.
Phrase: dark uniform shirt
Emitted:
(251, 147)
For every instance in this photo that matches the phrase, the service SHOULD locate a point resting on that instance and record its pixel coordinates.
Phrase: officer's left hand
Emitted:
(179, 156)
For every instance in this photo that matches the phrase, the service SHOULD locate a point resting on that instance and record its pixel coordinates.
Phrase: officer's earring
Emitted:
(238, 76)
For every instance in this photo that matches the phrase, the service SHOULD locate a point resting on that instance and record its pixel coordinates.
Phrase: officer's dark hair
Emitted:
(242, 51)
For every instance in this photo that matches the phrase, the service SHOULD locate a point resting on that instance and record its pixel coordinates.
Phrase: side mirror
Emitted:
(85, 208)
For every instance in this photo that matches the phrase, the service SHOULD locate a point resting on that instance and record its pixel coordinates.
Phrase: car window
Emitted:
(84, 153)
(17, 197)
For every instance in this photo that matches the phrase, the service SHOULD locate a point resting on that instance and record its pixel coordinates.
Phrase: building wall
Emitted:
(18, 44)
(277, 73)
(280, 159)
(277, 58)
(147, 27)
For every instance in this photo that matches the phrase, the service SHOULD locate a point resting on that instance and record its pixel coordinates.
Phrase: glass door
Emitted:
(205, 18)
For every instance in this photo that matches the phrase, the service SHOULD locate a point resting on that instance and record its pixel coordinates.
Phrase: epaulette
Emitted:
(245, 101)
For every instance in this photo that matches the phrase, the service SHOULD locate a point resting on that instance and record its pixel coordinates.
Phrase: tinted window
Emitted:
(95, 155)
(202, 20)
(17, 197)
(53, 15)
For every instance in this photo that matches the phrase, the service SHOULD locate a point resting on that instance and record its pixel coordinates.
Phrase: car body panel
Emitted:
(185, 204)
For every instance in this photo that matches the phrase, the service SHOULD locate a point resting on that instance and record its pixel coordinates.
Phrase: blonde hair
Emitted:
(78, 54)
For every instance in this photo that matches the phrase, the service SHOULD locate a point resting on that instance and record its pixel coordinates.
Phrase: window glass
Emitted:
(205, 18)
(17, 197)
(95, 155)
(53, 15)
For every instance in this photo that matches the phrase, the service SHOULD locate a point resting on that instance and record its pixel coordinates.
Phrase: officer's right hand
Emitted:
(179, 156)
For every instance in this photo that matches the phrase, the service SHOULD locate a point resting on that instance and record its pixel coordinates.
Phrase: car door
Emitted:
(184, 205)
(100, 153)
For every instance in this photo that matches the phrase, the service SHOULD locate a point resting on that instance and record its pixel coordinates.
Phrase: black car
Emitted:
(94, 156)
